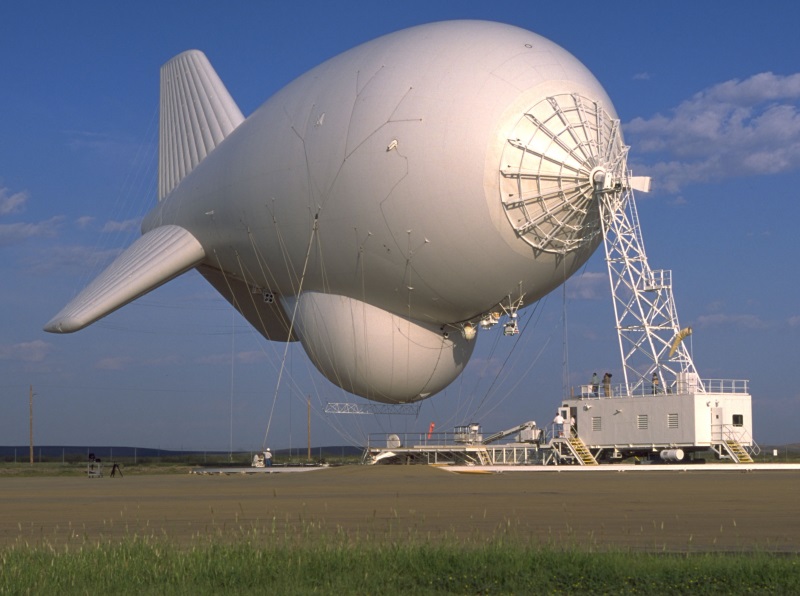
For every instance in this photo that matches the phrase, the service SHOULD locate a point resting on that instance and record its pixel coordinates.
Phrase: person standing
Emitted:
(268, 458)
(607, 384)
(558, 423)
(595, 385)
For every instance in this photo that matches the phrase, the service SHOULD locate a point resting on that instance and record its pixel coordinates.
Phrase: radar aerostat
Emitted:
(383, 207)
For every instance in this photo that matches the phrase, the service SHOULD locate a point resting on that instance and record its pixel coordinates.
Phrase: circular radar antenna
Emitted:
(560, 153)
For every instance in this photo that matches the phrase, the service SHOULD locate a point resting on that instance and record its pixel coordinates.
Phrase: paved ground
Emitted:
(698, 510)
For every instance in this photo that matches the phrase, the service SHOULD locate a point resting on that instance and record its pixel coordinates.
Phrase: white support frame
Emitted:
(644, 306)
(372, 408)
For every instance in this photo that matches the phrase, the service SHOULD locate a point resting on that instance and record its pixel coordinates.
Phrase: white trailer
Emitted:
(666, 425)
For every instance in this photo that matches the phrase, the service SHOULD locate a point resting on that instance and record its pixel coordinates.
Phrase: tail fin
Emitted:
(154, 259)
(197, 113)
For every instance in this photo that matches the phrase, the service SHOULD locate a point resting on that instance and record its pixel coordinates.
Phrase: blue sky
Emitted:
(708, 94)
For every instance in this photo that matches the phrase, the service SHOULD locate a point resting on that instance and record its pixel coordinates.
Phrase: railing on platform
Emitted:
(725, 386)
(458, 438)
(739, 434)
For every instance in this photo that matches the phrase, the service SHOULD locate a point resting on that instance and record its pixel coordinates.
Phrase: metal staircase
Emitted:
(737, 452)
(582, 452)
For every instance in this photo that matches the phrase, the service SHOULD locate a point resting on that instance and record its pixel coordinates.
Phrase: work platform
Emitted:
(523, 445)
(677, 424)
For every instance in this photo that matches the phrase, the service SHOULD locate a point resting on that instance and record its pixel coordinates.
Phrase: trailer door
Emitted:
(716, 424)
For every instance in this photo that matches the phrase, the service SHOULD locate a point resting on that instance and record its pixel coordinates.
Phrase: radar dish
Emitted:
(556, 154)
(393, 442)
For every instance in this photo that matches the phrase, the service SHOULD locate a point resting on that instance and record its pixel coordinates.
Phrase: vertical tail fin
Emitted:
(197, 113)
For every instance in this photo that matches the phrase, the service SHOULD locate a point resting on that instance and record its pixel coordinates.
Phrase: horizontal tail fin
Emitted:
(154, 259)
(196, 114)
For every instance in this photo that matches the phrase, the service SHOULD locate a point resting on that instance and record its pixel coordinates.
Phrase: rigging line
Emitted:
(261, 263)
(334, 423)
(297, 392)
(124, 203)
(326, 289)
(295, 389)
(488, 359)
(291, 325)
(233, 359)
(227, 282)
(365, 334)
(508, 356)
(496, 377)
(521, 378)
(460, 408)
(269, 274)
(326, 419)
(233, 298)
(294, 383)
(495, 343)
(292, 274)
(278, 310)
(409, 291)
(565, 356)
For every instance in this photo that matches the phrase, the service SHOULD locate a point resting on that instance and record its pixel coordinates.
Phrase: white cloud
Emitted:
(79, 258)
(11, 202)
(250, 357)
(215, 359)
(113, 363)
(31, 351)
(794, 321)
(588, 286)
(84, 221)
(733, 129)
(19, 232)
(742, 321)
(171, 360)
(121, 226)
(97, 142)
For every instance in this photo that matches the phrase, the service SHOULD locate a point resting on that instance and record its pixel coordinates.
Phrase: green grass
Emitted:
(339, 566)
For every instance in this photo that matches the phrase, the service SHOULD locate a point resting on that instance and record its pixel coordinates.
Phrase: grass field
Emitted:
(341, 567)
(398, 530)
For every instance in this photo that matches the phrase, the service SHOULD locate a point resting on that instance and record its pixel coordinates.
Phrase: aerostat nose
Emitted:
(561, 148)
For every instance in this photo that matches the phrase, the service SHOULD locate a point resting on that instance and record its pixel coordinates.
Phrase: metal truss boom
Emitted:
(653, 353)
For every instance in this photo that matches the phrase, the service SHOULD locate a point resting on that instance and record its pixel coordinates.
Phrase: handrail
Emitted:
(741, 436)
(724, 386)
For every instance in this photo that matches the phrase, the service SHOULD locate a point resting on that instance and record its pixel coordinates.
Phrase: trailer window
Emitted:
(738, 420)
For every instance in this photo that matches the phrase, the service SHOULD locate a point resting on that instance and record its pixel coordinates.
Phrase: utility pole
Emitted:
(30, 404)
(308, 408)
